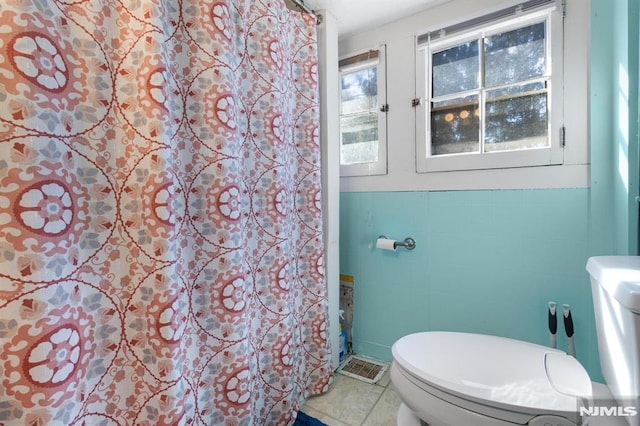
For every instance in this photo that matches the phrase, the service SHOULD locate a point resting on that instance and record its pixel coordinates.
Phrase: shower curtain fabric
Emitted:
(161, 247)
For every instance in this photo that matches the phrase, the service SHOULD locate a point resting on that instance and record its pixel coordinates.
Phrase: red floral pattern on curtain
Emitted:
(161, 253)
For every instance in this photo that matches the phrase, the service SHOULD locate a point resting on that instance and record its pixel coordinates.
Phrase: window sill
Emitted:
(491, 160)
(540, 177)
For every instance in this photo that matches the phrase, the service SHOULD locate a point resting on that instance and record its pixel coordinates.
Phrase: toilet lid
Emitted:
(495, 371)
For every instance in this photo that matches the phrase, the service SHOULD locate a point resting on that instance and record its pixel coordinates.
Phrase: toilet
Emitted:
(459, 379)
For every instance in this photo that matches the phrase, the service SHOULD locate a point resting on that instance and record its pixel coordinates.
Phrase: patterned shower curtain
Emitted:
(161, 248)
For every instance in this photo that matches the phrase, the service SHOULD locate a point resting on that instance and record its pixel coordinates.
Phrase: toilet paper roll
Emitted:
(386, 244)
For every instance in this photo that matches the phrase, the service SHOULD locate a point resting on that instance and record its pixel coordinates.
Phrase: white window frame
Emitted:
(378, 167)
(551, 155)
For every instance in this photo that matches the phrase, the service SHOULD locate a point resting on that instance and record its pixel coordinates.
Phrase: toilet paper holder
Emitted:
(408, 243)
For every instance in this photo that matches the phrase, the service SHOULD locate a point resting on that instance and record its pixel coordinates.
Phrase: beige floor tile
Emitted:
(385, 411)
(349, 400)
(385, 380)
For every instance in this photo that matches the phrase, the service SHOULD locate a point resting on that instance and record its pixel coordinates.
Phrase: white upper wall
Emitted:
(355, 16)
(399, 37)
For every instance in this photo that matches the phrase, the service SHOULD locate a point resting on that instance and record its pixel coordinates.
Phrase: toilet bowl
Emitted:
(450, 378)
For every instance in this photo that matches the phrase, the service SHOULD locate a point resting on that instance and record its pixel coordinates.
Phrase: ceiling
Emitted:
(354, 16)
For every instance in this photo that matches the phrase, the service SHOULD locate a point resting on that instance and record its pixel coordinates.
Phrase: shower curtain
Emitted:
(161, 247)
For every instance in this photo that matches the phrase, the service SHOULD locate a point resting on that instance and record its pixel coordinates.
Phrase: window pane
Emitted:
(359, 90)
(455, 126)
(359, 138)
(456, 69)
(516, 120)
(514, 56)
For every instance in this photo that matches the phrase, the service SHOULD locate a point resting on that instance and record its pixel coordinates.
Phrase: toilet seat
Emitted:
(500, 378)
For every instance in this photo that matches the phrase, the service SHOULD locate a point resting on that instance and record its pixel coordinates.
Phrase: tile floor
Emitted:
(351, 402)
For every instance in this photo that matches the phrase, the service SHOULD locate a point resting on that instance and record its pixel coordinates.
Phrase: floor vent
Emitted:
(363, 369)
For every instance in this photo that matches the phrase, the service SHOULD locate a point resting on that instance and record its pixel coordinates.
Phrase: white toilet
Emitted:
(460, 379)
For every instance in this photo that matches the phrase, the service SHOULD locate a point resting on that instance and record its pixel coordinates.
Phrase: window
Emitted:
(363, 115)
(493, 90)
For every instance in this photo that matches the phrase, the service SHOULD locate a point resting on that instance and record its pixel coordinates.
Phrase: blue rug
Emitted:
(306, 420)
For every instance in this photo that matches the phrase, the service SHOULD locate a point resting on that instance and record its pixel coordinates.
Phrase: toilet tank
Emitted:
(615, 285)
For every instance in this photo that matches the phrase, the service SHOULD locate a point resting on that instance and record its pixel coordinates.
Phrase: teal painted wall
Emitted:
(485, 261)
(614, 126)
(620, 61)
(489, 261)
(633, 64)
